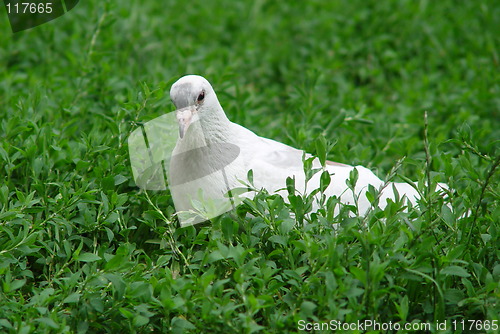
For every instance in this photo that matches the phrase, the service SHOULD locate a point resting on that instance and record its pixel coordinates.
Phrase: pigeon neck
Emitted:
(215, 126)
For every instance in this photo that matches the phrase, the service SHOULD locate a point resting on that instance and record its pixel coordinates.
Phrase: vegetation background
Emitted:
(82, 249)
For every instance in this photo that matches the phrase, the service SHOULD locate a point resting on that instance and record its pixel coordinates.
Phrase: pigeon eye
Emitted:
(201, 97)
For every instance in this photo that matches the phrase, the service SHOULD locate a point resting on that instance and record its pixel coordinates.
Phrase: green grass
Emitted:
(82, 249)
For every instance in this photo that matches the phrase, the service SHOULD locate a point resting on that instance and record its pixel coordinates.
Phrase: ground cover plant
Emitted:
(82, 249)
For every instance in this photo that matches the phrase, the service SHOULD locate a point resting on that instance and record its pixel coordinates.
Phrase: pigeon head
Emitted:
(190, 90)
(195, 100)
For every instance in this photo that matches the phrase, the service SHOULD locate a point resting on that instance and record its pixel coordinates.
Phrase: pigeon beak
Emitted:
(184, 118)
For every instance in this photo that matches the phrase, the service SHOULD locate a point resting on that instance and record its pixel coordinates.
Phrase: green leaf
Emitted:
(359, 274)
(214, 256)
(324, 180)
(180, 325)
(321, 149)
(336, 121)
(456, 252)
(447, 215)
(118, 283)
(126, 312)
(96, 302)
(353, 179)
(109, 234)
(286, 226)
(88, 257)
(119, 179)
(140, 290)
(455, 271)
(307, 308)
(279, 239)
(403, 307)
(5, 323)
(7, 215)
(72, 298)
(140, 320)
(14, 285)
(290, 185)
(49, 322)
(115, 262)
(250, 177)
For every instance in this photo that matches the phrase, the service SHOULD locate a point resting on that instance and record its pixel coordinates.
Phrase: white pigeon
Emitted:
(213, 155)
